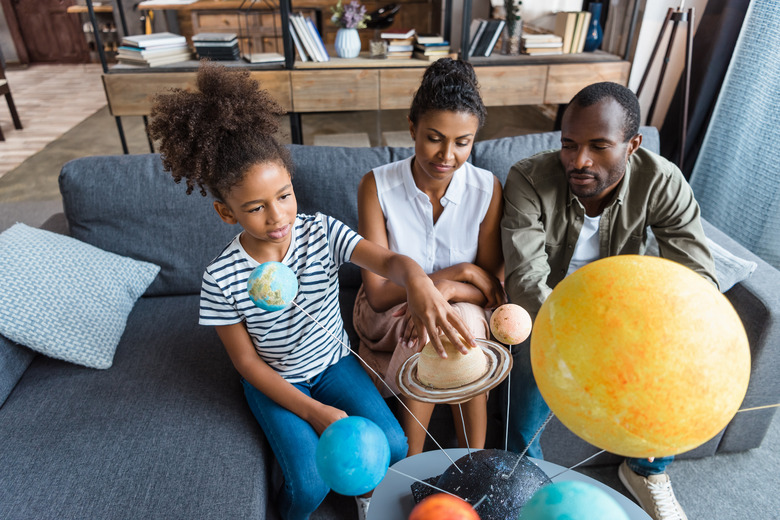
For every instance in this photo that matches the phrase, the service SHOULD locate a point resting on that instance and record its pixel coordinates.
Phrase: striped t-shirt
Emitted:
(288, 340)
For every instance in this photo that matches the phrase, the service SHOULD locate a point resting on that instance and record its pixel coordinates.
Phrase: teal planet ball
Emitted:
(352, 456)
(272, 286)
(572, 500)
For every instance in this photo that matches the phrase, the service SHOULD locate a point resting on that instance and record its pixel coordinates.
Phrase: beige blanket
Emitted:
(380, 334)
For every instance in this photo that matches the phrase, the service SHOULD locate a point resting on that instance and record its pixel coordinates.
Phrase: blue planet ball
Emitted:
(352, 456)
(572, 500)
(272, 286)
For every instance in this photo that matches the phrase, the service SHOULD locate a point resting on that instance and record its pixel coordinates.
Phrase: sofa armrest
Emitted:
(757, 301)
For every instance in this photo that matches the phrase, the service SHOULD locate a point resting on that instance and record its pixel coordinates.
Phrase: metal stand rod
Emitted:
(464, 30)
(148, 137)
(121, 134)
(296, 132)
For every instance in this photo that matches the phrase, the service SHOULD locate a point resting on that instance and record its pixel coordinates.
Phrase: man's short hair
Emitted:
(597, 92)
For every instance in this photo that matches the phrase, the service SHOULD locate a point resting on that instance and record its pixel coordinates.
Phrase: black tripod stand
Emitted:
(675, 17)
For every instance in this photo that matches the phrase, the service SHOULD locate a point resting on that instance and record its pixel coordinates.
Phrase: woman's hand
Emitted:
(323, 416)
(431, 313)
(488, 284)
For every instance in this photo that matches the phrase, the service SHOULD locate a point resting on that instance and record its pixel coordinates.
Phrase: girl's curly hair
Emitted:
(448, 85)
(212, 136)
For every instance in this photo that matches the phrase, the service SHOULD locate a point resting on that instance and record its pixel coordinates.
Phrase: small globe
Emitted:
(494, 482)
(510, 324)
(352, 456)
(572, 499)
(272, 286)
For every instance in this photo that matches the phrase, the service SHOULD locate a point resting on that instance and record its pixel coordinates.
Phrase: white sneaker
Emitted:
(362, 507)
(654, 493)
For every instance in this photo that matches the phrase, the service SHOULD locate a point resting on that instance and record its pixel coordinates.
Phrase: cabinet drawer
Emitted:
(335, 90)
(565, 80)
(215, 21)
(132, 94)
(397, 87)
(512, 85)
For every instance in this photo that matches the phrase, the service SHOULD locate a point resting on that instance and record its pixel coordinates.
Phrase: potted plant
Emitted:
(513, 28)
(349, 18)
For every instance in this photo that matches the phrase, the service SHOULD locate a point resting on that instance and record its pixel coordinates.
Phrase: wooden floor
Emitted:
(50, 99)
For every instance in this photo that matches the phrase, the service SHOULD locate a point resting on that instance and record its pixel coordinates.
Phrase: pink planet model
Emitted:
(510, 324)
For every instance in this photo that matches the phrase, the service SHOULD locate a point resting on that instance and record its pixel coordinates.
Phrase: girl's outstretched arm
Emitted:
(264, 378)
(429, 309)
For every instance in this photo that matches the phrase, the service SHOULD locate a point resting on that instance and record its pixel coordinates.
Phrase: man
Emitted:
(594, 198)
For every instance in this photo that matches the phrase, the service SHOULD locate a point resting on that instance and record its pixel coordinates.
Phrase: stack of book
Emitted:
(572, 27)
(217, 46)
(541, 44)
(152, 50)
(307, 40)
(484, 35)
(430, 47)
(400, 43)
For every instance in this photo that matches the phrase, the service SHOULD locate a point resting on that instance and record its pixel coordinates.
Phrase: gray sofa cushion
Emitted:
(14, 360)
(498, 155)
(164, 431)
(336, 195)
(128, 205)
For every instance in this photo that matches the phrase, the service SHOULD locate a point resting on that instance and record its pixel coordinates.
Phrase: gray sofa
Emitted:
(165, 432)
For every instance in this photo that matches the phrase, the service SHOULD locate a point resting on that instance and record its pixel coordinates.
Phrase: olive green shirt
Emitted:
(543, 218)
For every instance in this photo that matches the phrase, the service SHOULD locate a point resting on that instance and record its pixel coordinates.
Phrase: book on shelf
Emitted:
(400, 33)
(486, 33)
(156, 61)
(146, 41)
(308, 37)
(427, 39)
(541, 38)
(217, 46)
(572, 27)
(542, 51)
(400, 48)
(432, 57)
(317, 39)
(565, 21)
(489, 37)
(263, 57)
(395, 41)
(138, 53)
(298, 44)
(214, 38)
(477, 28)
(580, 31)
(399, 55)
(431, 50)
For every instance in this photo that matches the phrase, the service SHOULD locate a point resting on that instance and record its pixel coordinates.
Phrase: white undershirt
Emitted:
(587, 248)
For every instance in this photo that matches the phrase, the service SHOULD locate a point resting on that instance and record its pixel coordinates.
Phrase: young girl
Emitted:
(297, 379)
(444, 213)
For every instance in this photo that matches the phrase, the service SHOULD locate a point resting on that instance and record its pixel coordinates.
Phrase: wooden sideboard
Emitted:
(366, 84)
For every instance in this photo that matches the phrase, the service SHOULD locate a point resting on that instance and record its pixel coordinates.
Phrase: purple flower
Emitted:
(350, 16)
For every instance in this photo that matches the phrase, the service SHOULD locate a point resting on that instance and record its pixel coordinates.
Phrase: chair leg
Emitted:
(14, 114)
(2, 137)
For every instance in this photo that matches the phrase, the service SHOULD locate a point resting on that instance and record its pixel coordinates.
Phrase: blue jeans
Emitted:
(528, 411)
(344, 385)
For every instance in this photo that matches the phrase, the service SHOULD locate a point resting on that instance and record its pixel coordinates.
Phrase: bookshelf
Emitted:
(368, 84)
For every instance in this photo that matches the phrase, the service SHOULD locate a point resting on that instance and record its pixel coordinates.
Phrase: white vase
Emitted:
(347, 43)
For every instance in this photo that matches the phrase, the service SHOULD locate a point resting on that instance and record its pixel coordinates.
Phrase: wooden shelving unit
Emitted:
(368, 84)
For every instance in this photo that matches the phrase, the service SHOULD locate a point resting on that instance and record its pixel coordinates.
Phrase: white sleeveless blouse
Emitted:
(409, 214)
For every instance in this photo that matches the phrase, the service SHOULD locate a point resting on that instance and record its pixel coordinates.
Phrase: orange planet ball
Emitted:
(640, 356)
(510, 324)
(442, 506)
